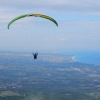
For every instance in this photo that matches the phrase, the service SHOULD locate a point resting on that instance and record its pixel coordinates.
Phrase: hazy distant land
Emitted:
(50, 77)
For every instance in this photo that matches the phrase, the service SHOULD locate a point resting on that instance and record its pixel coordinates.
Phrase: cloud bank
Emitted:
(60, 6)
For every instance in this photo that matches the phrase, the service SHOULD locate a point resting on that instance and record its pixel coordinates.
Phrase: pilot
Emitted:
(35, 55)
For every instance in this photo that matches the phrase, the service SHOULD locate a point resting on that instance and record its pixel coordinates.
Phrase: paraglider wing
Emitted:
(29, 15)
(19, 17)
(44, 16)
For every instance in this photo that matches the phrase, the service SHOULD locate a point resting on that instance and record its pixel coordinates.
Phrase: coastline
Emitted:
(73, 58)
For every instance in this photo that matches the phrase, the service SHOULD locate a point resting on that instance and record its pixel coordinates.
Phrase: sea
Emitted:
(89, 57)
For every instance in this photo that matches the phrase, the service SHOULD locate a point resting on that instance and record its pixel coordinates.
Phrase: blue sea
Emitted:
(88, 57)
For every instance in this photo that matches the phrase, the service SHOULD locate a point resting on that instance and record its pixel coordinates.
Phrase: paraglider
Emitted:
(34, 15)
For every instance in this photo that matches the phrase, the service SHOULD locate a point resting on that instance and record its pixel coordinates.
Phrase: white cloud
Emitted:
(63, 39)
(67, 6)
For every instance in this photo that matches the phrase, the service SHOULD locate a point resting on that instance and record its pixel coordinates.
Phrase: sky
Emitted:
(78, 25)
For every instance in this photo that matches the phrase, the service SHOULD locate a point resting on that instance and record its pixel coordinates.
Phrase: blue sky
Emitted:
(78, 30)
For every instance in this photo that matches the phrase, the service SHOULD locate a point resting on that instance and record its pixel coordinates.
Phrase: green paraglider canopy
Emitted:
(34, 15)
